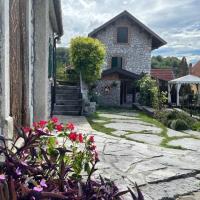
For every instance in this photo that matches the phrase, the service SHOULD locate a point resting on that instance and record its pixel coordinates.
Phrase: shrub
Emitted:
(87, 56)
(179, 124)
(49, 162)
(196, 126)
(167, 117)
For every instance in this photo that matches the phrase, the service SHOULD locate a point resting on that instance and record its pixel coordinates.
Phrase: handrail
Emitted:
(81, 87)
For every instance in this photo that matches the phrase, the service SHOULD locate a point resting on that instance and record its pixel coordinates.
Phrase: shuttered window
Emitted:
(122, 35)
(116, 62)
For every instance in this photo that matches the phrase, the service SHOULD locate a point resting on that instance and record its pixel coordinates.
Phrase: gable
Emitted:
(156, 40)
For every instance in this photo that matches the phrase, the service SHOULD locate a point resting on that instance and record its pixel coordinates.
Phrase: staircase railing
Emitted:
(81, 87)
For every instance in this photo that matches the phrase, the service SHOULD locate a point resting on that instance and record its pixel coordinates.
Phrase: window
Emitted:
(116, 62)
(122, 35)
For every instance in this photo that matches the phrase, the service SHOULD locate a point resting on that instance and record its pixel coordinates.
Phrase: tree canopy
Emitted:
(87, 56)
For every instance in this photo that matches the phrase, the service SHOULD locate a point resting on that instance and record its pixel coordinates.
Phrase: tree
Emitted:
(87, 56)
(182, 68)
(62, 60)
(62, 55)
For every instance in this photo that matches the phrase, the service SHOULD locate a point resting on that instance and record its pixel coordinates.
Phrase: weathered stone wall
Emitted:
(108, 95)
(136, 54)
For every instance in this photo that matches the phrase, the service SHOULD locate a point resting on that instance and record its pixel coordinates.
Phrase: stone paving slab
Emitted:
(115, 116)
(146, 138)
(193, 133)
(188, 143)
(133, 127)
(161, 173)
(173, 133)
(119, 133)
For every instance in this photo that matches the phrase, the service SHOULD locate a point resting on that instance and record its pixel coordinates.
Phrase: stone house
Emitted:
(129, 44)
(29, 30)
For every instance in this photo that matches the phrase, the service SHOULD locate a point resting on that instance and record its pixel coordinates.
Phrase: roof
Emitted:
(55, 14)
(188, 79)
(157, 41)
(163, 74)
(196, 69)
(120, 72)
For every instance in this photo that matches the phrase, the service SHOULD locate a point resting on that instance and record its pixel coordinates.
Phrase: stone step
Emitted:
(67, 91)
(67, 107)
(76, 96)
(69, 102)
(73, 113)
(67, 87)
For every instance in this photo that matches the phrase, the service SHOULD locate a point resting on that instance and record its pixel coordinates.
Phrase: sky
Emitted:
(176, 21)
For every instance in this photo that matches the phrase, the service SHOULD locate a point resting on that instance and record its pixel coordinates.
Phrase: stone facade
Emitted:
(136, 54)
(108, 93)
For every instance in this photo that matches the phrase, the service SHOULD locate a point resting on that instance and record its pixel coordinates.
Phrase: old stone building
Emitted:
(129, 44)
(29, 30)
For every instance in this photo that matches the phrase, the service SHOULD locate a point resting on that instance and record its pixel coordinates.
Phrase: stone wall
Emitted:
(136, 54)
(108, 95)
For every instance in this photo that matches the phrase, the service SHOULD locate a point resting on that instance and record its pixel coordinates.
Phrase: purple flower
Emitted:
(24, 163)
(2, 177)
(43, 183)
(18, 171)
(38, 188)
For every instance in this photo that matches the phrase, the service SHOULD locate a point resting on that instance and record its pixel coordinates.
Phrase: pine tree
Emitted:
(183, 68)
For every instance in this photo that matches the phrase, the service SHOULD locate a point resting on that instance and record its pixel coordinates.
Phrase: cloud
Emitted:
(178, 22)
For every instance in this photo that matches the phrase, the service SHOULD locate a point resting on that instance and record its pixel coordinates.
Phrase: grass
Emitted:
(141, 116)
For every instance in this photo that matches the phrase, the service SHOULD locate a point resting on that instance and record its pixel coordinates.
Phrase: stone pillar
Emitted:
(169, 93)
(6, 122)
(177, 93)
(41, 41)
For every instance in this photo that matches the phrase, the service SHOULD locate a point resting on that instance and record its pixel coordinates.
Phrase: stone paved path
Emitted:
(162, 173)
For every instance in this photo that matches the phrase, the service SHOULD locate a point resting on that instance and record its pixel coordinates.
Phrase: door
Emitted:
(123, 92)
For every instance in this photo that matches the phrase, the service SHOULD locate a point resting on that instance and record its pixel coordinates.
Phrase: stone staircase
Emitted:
(68, 100)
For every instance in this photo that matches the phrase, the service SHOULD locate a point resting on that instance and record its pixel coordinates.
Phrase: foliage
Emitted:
(48, 162)
(150, 94)
(179, 124)
(87, 56)
(72, 76)
(148, 91)
(62, 60)
(62, 55)
(168, 116)
(182, 69)
(161, 62)
(196, 126)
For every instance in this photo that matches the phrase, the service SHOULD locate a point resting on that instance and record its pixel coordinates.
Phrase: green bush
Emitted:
(196, 126)
(87, 56)
(168, 117)
(179, 124)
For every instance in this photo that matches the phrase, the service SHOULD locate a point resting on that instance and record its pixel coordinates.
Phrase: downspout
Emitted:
(53, 101)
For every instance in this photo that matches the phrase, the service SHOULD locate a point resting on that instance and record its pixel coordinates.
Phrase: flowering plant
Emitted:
(51, 161)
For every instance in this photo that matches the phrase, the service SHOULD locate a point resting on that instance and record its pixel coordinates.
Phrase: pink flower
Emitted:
(59, 127)
(38, 188)
(93, 147)
(72, 136)
(70, 126)
(80, 138)
(24, 163)
(18, 171)
(91, 138)
(54, 120)
(26, 129)
(2, 177)
(43, 183)
(42, 123)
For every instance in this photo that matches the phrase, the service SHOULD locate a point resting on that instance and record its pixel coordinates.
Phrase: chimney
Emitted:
(190, 68)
